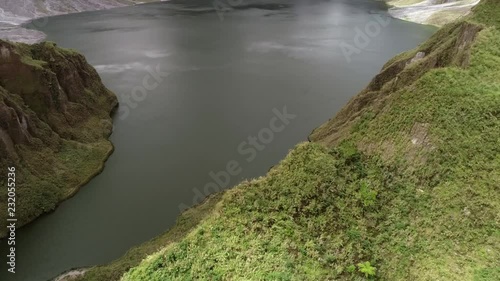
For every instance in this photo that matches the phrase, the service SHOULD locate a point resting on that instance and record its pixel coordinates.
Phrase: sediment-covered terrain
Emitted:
(435, 12)
(14, 13)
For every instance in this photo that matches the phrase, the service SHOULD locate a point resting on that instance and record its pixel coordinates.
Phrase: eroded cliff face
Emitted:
(449, 47)
(54, 124)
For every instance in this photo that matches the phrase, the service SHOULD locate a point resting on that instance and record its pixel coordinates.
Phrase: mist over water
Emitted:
(212, 82)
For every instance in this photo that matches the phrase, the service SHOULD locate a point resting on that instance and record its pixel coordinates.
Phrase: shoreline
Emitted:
(161, 263)
(75, 273)
(84, 182)
(74, 190)
(184, 224)
(20, 28)
(71, 274)
(428, 12)
(23, 29)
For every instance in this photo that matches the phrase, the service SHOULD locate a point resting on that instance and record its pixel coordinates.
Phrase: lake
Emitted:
(203, 94)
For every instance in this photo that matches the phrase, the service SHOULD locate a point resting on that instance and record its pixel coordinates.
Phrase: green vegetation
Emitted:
(403, 184)
(367, 269)
(306, 220)
(185, 223)
(54, 124)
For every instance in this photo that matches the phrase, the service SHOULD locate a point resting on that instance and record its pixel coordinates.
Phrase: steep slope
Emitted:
(54, 124)
(403, 184)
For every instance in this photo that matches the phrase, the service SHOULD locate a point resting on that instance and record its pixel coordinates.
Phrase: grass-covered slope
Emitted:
(403, 184)
(54, 124)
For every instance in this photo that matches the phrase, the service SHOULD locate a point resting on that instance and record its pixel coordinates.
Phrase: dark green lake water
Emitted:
(220, 80)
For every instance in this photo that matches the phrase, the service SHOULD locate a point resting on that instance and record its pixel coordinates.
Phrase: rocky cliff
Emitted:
(54, 124)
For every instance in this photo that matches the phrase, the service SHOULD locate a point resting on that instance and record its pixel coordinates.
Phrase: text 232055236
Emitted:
(11, 219)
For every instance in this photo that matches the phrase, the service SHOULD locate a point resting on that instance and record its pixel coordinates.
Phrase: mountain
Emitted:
(54, 124)
(402, 184)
